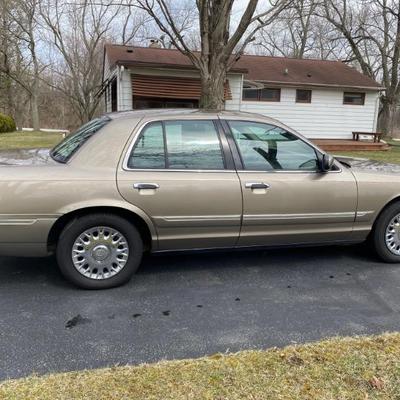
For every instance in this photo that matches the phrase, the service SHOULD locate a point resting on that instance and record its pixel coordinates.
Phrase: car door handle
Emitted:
(256, 185)
(143, 185)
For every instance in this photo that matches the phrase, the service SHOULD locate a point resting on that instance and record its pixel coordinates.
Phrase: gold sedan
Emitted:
(162, 180)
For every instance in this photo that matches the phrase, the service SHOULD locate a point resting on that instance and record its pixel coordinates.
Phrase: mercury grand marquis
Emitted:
(162, 180)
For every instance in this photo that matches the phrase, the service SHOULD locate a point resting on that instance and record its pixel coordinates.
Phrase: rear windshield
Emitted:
(64, 150)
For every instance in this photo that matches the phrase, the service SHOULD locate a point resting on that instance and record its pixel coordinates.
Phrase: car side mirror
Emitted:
(327, 162)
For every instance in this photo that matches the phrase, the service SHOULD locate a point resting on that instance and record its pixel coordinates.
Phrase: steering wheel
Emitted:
(267, 157)
(309, 164)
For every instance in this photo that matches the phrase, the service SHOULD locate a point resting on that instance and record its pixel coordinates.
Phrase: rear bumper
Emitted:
(25, 235)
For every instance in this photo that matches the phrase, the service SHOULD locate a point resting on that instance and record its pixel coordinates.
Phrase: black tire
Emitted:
(72, 231)
(379, 233)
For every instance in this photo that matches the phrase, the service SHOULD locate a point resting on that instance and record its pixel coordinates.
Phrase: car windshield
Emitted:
(64, 150)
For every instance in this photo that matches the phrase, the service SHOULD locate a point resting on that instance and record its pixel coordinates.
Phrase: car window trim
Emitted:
(166, 158)
(239, 160)
(139, 134)
(237, 157)
(228, 156)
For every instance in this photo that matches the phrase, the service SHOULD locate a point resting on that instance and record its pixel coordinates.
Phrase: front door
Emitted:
(180, 174)
(286, 199)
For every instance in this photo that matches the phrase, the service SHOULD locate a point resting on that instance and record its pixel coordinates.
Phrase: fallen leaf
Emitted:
(296, 360)
(376, 383)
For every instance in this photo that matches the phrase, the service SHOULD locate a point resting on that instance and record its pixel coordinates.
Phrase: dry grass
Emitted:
(355, 368)
(28, 140)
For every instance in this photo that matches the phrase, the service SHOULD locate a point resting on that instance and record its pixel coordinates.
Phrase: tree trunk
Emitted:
(10, 107)
(213, 89)
(35, 112)
(386, 116)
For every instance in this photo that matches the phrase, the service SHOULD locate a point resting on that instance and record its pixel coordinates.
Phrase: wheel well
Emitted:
(60, 224)
(395, 200)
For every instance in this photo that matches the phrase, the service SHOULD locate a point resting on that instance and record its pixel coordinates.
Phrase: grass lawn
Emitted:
(351, 368)
(28, 140)
(391, 156)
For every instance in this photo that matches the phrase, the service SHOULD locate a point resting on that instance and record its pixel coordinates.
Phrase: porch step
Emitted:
(349, 145)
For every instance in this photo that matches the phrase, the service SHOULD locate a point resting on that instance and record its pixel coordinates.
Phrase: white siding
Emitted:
(325, 117)
(235, 83)
(164, 72)
(125, 91)
(106, 72)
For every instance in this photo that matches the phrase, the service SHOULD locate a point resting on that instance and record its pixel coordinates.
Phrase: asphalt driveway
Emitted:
(182, 306)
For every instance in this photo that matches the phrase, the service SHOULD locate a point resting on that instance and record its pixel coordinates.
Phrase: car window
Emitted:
(64, 150)
(266, 147)
(193, 145)
(149, 149)
(178, 145)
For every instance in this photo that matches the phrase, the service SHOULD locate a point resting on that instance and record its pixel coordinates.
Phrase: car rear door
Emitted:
(180, 172)
(286, 199)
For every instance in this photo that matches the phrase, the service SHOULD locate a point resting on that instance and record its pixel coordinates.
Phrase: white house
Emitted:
(320, 99)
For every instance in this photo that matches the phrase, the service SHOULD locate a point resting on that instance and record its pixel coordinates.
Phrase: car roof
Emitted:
(174, 112)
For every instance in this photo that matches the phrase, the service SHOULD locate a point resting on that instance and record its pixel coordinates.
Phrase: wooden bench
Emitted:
(377, 136)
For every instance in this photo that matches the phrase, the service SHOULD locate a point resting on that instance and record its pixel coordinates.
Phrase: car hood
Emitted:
(369, 166)
(26, 157)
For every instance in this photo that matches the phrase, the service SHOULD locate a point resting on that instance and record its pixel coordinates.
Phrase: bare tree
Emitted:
(131, 26)
(292, 34)
(185, 18)
(20, 41)
(78, 33)
(300, 33)
(372, 31)
(221, 44)
(5, 59)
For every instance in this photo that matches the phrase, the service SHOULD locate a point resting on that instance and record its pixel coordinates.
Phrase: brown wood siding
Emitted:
(170, 87)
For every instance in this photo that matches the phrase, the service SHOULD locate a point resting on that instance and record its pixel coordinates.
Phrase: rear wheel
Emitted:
(386, 234)
(99, 251)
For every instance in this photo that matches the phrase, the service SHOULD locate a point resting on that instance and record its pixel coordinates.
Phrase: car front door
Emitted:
(286, 198)
(181, 173)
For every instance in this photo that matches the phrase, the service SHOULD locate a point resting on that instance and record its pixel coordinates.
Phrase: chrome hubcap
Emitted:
(100, 252)
(392, 236)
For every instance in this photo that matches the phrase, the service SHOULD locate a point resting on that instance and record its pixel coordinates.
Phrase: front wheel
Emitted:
(386, 234)
(99, 251)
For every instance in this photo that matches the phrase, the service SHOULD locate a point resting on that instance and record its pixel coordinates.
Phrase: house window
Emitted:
(354, 98)
(250, 94)
(303, 96)
(265, 94)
